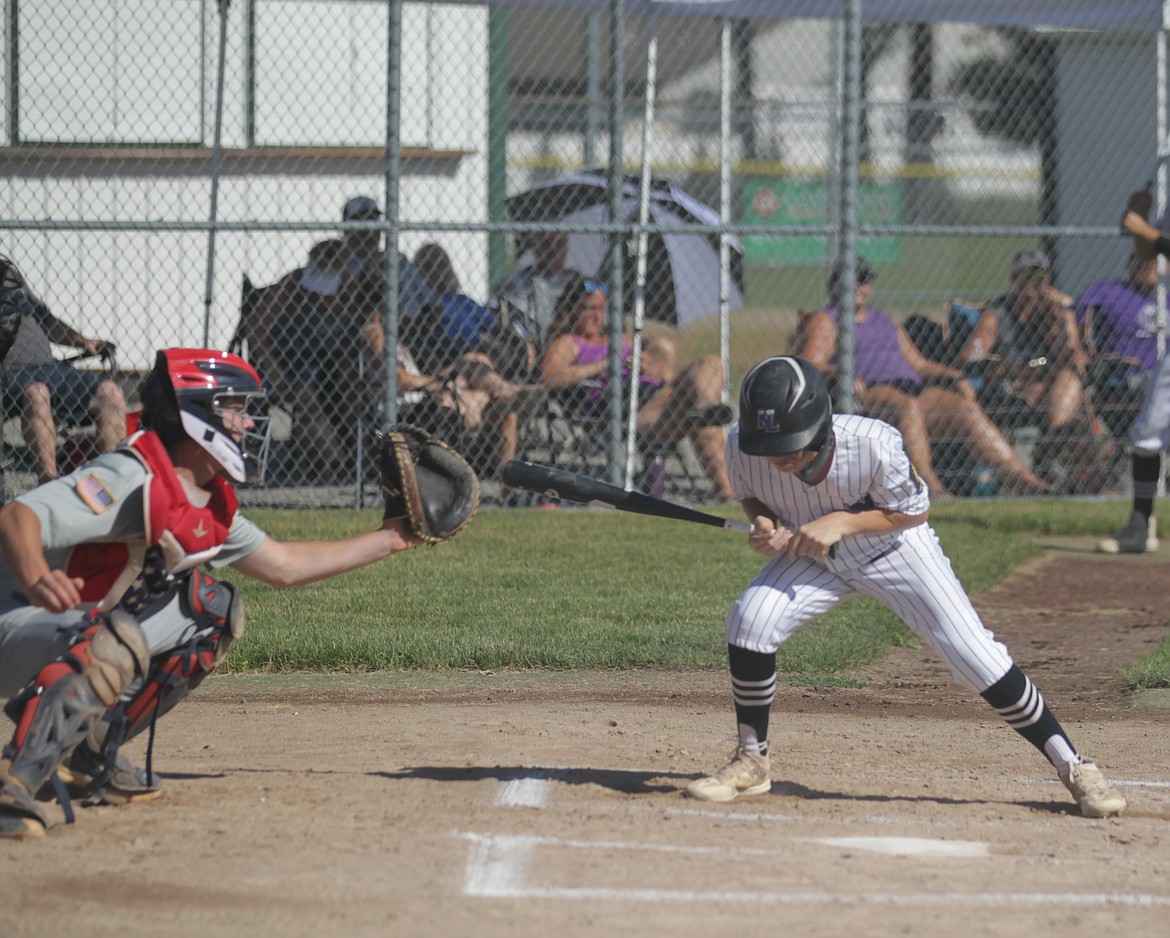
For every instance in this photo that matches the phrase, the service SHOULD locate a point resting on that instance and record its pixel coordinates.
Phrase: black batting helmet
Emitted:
(784, 407)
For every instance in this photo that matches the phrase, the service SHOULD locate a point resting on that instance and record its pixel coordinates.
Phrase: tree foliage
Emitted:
(1010, 96)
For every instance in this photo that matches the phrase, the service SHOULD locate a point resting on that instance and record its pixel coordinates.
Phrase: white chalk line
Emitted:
(498, 866)
(908, 846)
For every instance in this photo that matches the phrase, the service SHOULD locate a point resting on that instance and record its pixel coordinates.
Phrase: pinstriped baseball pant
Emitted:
(915, 580)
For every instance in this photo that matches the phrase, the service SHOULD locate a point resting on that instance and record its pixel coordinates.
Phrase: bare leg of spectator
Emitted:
(698, 385)
(40, 432)
(108, 408)
(1065, 397)
(905, 412)
(955, 415)
(711, 446)
(502, 436)
(660, 361)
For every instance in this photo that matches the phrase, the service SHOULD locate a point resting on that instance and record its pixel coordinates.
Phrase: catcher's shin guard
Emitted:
(67, 697)
(218, 614)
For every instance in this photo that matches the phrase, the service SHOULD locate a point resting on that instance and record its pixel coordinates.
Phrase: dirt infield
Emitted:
(531, 804)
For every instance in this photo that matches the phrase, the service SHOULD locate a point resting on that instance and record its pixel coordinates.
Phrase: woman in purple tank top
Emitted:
(672, 403)
(895, 382)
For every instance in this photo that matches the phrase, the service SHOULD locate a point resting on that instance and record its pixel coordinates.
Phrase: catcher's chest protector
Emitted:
(187, 535)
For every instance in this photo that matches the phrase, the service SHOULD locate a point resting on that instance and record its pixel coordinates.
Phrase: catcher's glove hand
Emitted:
(426, 482)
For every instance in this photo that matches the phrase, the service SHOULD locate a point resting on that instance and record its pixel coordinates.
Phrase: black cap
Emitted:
(862, 273)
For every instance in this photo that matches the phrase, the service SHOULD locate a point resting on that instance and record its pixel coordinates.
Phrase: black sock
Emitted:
(1146, 471)
(753, 685)
(1017, 700)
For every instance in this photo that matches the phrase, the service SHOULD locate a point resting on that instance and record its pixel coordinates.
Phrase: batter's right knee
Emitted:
(748, 627)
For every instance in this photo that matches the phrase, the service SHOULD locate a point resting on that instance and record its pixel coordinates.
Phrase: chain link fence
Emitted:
(215, 173)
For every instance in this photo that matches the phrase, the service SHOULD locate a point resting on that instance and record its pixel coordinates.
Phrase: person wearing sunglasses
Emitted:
(1028, 349)
(673, 402)
(895, 382)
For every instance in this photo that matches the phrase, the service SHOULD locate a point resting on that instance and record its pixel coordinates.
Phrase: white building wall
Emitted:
(147, 289)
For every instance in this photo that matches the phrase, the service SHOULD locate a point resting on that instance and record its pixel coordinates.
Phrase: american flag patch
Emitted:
(94, 493)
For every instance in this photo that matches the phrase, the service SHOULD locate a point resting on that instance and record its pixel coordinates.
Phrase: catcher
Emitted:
(107, 620)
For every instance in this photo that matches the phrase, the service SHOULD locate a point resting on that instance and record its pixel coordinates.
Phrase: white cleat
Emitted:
(1094, 794)
(748, 773)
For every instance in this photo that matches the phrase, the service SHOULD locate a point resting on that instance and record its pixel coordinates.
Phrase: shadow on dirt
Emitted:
(628, 782)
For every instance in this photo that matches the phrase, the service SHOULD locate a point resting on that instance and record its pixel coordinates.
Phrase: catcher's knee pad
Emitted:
(215, 607)
(67, 697)
(217, 612)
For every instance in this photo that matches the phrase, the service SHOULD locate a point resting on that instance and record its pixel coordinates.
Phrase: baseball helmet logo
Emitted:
(766, 421)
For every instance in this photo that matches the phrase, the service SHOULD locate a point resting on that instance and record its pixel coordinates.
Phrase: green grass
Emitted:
(578, 589)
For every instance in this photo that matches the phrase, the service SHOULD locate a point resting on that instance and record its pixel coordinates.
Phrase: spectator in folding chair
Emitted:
(895, 382)
(673, 402)
(43, 390)
(465, 402)
(364, 263)
(528, 296)
(302, 340)
(1119, 324)
(1037, 364)
(457, 329)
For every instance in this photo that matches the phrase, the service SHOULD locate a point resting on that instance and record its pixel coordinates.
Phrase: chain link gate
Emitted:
(216, 173)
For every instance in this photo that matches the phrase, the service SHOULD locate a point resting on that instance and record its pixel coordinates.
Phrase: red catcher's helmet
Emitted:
(186, 395)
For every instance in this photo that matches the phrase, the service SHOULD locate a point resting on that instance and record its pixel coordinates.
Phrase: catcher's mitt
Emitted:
(425, 481)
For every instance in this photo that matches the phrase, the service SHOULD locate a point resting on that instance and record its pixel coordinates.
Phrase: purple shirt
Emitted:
(1125, 322)
(589, 353)
(877, 358)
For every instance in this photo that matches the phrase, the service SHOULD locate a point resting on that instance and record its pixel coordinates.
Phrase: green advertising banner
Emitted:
(780, 202)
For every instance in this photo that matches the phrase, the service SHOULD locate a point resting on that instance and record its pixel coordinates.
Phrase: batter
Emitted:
(809, 480)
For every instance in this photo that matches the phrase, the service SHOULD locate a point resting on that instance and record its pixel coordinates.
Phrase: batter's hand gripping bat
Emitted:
(557, 483)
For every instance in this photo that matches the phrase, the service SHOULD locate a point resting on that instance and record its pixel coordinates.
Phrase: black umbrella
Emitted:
(682, 270)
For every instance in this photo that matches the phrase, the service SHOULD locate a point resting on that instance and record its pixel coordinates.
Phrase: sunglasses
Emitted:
(1032, 273)
(592, 286)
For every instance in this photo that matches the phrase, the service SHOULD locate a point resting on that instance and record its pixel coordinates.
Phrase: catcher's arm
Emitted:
(295, 563)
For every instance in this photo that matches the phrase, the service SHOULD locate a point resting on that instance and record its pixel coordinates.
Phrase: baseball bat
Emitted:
(557, 483)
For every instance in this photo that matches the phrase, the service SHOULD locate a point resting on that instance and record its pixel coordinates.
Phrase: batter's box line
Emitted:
(499, 862)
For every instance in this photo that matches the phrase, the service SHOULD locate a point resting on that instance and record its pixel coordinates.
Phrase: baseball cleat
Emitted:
(19, 826)
(1139, 536)
(748, 773)
(1091, 790)
(20, 818)
(127, 784)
